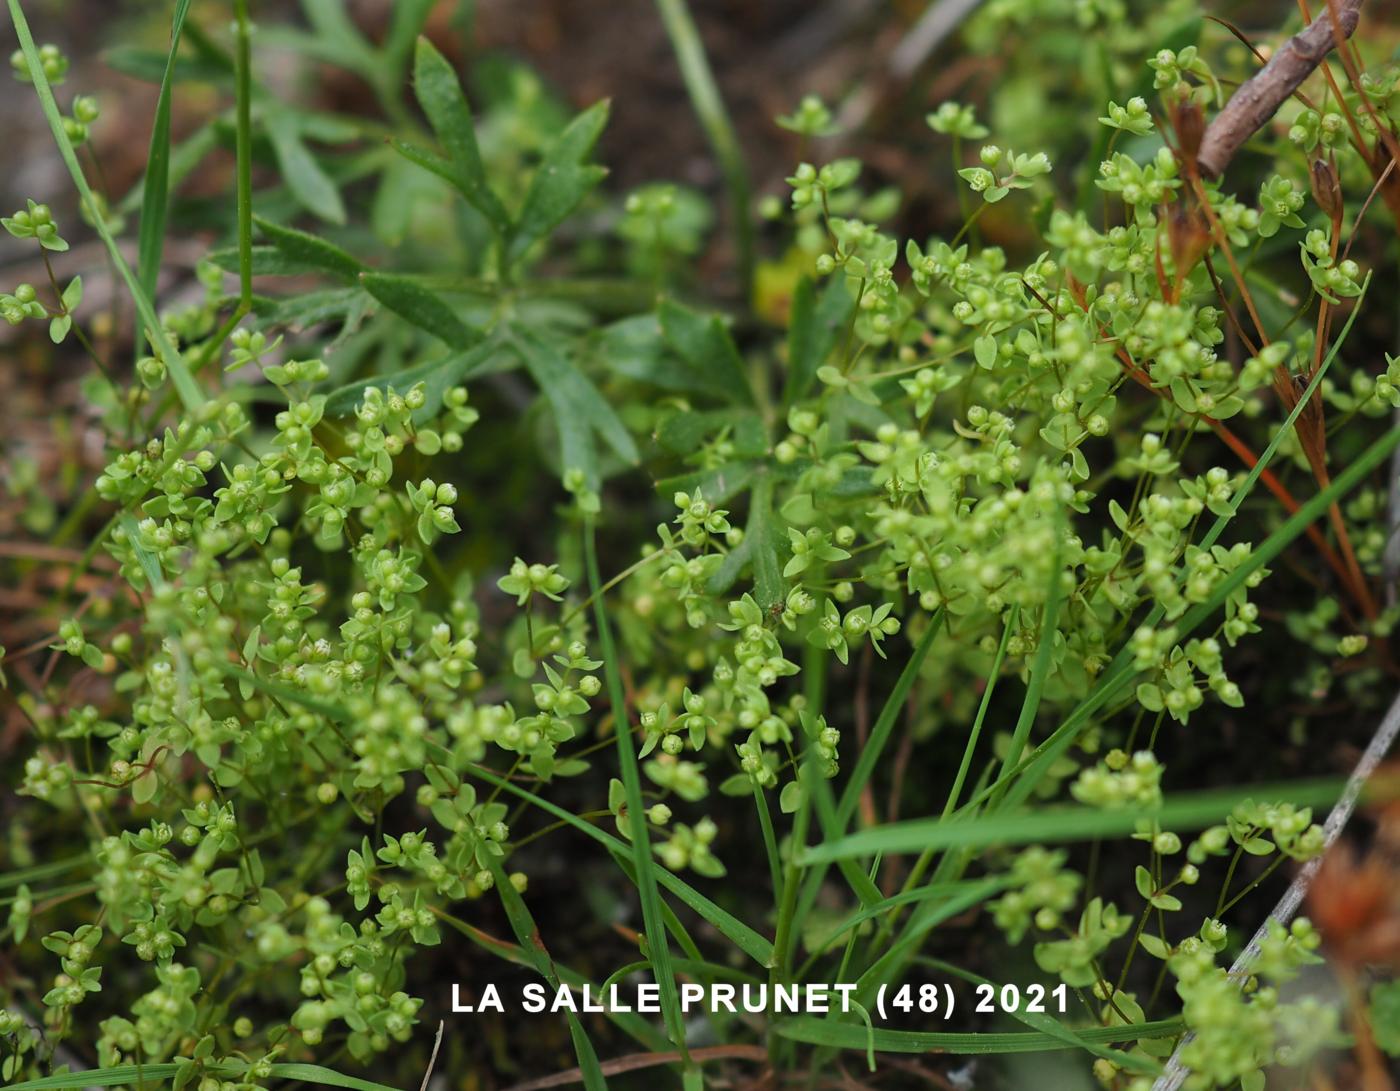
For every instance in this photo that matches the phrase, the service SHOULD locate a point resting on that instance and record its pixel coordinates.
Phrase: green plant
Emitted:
(339, 715)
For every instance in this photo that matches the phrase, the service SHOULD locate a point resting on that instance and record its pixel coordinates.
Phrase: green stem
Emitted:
(709, 108)
(244, 144)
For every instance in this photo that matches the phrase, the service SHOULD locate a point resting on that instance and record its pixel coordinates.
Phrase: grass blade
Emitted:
(532, 947)
(709, 108)
(884, 724)
(1049, 1025)
(736, 931)
(657, 946)
(826, 1032)
(243, 144)
(155, 192)
(1192, 811)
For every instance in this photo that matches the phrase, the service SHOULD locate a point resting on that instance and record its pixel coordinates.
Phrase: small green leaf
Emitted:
(440, 94)
(813, 326)
(578, 406)
(309, 183)
(1385, 1016)
(985, 350)
(426, 310)
(561, 181)
(307, 249)
(706, 346)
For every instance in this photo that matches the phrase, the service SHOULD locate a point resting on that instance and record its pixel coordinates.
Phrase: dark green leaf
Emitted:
(758, 550)
(310, 185)
(426, 310)
(561, 182)
(815, 323)
(704, 344)
(440, 94)
(576, 402)
(309, 250)
(683, 432)
(438, 375)
(828, 1032)
(636, 348)
(155, 195)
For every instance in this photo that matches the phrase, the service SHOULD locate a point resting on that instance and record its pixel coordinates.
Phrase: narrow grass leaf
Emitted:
(1182, 812)
(1048, 1024)
(884, 724)
(825, 1032)
(657, 948)
(155, 191)
(533, 948)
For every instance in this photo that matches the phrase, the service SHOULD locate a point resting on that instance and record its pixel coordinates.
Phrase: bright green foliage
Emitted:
(331, 697)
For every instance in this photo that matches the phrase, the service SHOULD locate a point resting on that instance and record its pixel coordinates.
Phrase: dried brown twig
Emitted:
(1257, 100)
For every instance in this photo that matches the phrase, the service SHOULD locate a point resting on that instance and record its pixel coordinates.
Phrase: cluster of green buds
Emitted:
(1120, 780)
(1043, 889)
(35, 222)
(812, 118)
(85, 112)
(692, 724)
(247, 346)
(1279, 203)
(1240, 1031)
(689, 847)
(45, 777)
(662, 219)
(71, 641)
(813, 186)
(1001, 172)
(1075, 959)
(1142, 186)
(21, 304)
(525, 581)
(1133, 117)
(433, 502)
(1172, 67)
(837, 632)
(956, 120)
(1331, 278)
(686, 779)
(699, 520)
(51, 59)
(1311, 129)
